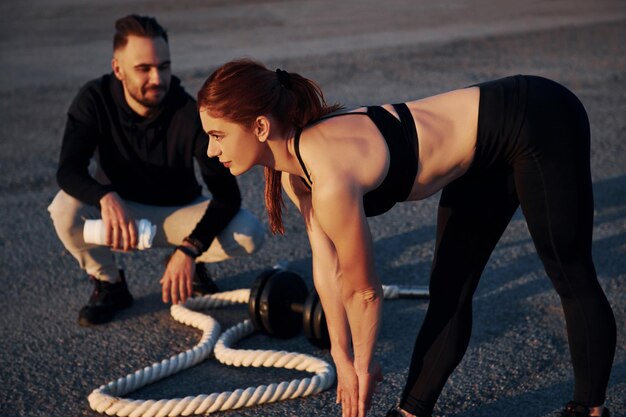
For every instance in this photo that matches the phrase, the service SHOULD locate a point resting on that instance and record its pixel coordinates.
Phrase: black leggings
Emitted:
(533, 151)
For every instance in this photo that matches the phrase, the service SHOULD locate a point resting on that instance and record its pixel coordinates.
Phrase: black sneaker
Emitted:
(573, 409)
(203, 282)
(106, 300)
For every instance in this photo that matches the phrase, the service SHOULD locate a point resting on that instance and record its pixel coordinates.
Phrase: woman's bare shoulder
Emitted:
(346, 150)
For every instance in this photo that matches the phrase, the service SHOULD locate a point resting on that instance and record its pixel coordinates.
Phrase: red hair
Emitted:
(242, 90)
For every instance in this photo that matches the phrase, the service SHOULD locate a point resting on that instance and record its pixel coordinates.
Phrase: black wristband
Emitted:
(198, 246)
(188, 251)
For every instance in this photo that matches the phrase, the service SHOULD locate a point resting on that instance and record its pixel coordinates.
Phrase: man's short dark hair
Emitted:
(142, 26)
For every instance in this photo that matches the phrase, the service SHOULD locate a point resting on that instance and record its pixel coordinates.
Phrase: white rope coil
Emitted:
(108, 398)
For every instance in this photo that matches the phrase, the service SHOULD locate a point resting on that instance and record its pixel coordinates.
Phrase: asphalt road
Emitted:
(360, 52)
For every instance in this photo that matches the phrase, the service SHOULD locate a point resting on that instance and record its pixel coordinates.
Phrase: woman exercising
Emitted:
(520, 140)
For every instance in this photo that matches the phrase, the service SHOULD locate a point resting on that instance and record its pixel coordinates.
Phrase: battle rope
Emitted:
(109, 398)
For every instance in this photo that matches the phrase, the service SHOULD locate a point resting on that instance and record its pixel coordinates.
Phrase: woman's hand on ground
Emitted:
(347, 388)
(368, 381)
(356, 389)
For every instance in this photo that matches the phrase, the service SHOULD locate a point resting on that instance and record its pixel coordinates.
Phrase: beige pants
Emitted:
(244, 235)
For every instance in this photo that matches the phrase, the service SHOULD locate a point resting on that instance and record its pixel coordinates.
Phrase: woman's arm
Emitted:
(348, 286)
(339, 212)
(326, 272)
(327, 277)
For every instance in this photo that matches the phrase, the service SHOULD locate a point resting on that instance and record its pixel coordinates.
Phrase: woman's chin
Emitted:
(237, 171)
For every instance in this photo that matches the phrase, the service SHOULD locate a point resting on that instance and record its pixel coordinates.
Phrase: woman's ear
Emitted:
(262, 126)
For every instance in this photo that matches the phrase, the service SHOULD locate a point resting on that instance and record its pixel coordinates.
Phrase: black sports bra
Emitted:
(401, 138)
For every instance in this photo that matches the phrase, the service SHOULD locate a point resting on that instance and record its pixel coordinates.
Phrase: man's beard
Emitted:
(150, 102)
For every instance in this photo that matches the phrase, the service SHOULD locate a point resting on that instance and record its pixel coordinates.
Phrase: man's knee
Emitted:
(64, 210)
(248, 231)
(68, 215)
(243, 236)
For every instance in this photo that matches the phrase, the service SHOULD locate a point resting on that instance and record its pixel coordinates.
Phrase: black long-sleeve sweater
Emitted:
(147, 160)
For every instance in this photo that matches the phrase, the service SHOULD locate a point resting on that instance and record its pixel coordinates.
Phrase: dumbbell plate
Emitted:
(271, 303)
(314, 321)
(254, 302)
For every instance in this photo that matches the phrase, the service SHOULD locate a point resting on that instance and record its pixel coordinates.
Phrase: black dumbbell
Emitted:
(314, 321)
(280, 305)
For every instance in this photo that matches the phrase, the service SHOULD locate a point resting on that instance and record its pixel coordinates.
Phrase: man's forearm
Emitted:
(81, 187)
(217, 216)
